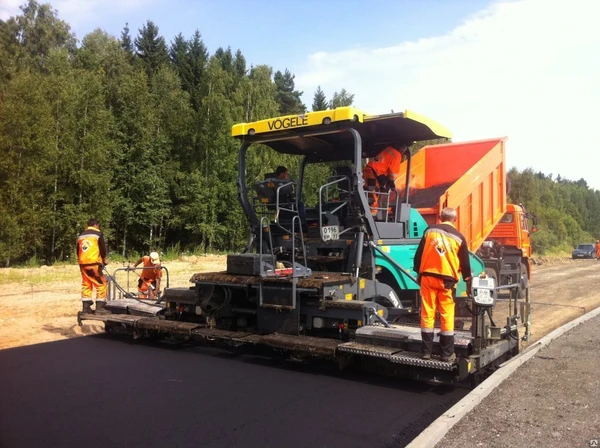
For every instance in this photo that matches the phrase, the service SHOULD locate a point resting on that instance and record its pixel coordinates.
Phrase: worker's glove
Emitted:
(469, 287)
(382, 180)
(391, 184)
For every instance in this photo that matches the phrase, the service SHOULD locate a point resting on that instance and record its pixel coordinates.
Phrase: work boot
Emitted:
(426, 345)
(87, 307)
(101, 307)
(447, 348)
(450, 358)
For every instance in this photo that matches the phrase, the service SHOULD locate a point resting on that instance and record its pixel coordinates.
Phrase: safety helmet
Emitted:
(154, 259)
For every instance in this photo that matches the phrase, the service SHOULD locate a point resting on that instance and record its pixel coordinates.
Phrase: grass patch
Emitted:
(41, 275)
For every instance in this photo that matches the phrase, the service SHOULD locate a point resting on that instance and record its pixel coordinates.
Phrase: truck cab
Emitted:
(507, 250)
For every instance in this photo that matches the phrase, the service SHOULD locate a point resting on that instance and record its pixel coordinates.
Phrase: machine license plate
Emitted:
(330, 233)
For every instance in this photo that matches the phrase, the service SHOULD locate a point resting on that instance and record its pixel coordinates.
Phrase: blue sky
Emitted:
(278, 33)
(525, 69)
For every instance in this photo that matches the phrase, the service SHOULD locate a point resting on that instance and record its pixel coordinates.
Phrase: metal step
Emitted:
(136, 307)
(400, 335)
(394, 356)
(414, 359)
(356, 348)
(116, 318)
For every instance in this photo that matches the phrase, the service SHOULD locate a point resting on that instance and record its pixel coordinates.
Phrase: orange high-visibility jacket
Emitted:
(91, 248)
(387, 163)
(150, 274)
(443, 253)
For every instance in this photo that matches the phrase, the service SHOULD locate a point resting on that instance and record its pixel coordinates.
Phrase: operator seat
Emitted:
(266, 191)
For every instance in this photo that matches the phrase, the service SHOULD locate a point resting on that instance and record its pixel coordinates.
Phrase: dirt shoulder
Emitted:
(553, 400)
(40, 304)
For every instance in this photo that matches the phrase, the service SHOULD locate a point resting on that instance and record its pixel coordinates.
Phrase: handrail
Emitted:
(385, 196)
(278, 208)
(113, 291)
(262, 227)
(326, 187)
(394, 262)
(338, 177)
(294, 276)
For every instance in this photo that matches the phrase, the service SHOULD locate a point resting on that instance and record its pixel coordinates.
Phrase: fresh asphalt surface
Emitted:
(105, 392)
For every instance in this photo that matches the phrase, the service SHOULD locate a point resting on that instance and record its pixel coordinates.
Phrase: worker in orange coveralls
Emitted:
(597, 249)
(441, 256)
(91, 256)
(149, 282)
(381, 173)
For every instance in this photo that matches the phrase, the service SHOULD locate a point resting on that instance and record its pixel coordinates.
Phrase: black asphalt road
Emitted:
(102, 392)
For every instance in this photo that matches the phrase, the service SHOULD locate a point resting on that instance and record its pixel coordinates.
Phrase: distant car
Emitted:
(584, 251)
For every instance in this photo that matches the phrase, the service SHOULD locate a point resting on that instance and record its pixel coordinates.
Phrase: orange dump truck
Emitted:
(471, 178)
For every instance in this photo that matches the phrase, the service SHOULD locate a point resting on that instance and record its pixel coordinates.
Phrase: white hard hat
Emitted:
(154, 258)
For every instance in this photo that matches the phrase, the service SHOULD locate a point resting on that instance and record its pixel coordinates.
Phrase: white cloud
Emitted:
(528, 70)
(76, 12)
(81, 12)
(9, 8)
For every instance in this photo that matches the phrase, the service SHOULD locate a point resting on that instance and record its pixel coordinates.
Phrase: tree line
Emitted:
(568, 211)
(135, 132)
(132, 130)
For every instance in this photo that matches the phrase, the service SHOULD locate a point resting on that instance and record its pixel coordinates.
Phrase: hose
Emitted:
(490, 316)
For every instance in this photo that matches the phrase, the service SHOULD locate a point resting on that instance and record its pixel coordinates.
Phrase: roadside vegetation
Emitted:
(135, 131)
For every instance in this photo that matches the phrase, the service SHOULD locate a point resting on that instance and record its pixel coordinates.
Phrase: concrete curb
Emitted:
(440, 427)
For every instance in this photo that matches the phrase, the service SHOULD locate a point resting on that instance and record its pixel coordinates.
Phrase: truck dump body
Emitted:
(470, 177)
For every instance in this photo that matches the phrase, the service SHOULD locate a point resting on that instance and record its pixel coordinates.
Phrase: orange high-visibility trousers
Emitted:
(435, 296)
(91, 277)
(370, 180)
(146, 288)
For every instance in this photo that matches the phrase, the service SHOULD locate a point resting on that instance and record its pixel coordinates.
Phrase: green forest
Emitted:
(135, 131)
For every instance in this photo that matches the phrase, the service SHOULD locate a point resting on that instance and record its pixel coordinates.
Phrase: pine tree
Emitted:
(288, 98)
(319, 100)
(239, 65)
(126, 42)
(225, 57)
(180, 58)
(151, 48)
(197, 57)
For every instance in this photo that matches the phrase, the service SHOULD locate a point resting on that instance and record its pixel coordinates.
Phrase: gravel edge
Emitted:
(436, 431)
